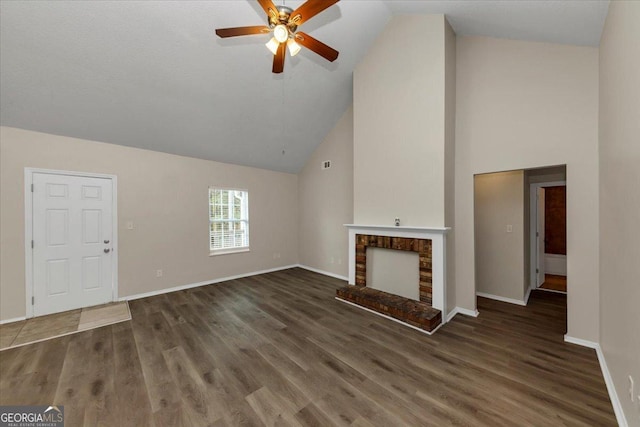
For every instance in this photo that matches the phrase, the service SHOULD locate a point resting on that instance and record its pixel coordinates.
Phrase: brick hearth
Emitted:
(415, 313)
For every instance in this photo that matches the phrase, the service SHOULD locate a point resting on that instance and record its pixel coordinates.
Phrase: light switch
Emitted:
(509, 228)
(129, 225)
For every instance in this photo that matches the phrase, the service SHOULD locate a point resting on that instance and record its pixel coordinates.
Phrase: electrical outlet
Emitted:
(158, 273)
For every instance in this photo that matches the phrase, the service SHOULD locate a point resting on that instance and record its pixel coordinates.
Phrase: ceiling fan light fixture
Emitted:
(294, 47)
(282, 24)
(281, 33)
(272, 45)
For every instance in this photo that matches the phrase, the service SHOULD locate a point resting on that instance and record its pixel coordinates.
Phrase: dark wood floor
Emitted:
(278, 349)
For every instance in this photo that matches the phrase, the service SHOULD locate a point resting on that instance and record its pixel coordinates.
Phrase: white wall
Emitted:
(399, 125)
(326, 201)
(450, 160)
(499, 201)
(166, 197)
(620, 199)
(523, 105)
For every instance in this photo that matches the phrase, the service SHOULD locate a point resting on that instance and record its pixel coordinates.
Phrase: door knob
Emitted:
(106, 251)
(106, 241)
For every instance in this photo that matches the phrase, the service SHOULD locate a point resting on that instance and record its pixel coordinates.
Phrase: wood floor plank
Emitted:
(277, 349)
(134, 407)
(192, 388)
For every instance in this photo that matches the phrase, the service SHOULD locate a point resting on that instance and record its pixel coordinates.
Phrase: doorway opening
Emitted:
(548, 231)
(520, 227)
(512, 258)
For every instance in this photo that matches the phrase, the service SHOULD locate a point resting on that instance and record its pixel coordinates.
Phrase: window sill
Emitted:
(228, 251)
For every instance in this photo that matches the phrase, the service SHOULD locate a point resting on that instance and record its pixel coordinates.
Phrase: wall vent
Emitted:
(326, 164)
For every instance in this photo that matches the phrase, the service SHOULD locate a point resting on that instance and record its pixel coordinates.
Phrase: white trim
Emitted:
(581, 342)
(28, 236)
(503, 299)
(28, 228)
(206, 282)
(464, 311)
(551, 290)
(442, 230)
(326, 273)
(229, 251)
(608, 380)
(533, 223)
(527, 295)
(15, 319)
(392, 318)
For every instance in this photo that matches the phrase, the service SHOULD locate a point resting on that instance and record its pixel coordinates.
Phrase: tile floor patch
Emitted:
(42, 328)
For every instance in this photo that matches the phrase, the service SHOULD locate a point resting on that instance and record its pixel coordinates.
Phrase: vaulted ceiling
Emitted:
(153, 75)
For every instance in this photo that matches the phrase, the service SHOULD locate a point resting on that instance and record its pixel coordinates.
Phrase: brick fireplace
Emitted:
(421, 246)
(428, 243)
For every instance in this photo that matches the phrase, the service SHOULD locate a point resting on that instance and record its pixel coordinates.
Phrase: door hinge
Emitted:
(537, 234)
(32, 244)
(32, 188)
(33, 300)
(537, 271)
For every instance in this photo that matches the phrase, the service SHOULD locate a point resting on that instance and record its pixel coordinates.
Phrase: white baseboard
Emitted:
(580, 341)
(503, 299)
(15, 319)
(555, 264)
(391, 318)
(460, 310)
(551, 290)
(326, 273)
(613, 394)
(207, 282)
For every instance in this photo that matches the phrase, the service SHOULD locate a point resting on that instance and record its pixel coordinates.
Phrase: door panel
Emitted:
(91, 272)
(57, 227)
(72, 218)
(57, 277)
(91, 226)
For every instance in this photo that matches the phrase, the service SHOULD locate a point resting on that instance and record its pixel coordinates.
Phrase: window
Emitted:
(228, 220)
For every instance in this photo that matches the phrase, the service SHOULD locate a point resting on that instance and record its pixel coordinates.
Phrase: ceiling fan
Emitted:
(284, 23)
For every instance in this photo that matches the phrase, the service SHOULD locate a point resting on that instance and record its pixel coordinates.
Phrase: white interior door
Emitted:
(540, 237)
(72, 242)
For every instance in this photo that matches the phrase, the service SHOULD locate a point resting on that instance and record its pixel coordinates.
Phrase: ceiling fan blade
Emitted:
(242, 31)
(278, 59)
(269, 8)
(317, 46)
(310, 9)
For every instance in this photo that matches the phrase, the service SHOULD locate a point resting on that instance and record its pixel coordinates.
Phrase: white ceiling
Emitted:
(152, 74)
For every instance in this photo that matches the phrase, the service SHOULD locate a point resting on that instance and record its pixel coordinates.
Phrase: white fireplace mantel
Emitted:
(400, 228)
(437, 235)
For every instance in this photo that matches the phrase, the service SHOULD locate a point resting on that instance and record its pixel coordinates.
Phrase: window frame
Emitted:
(244, 219)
